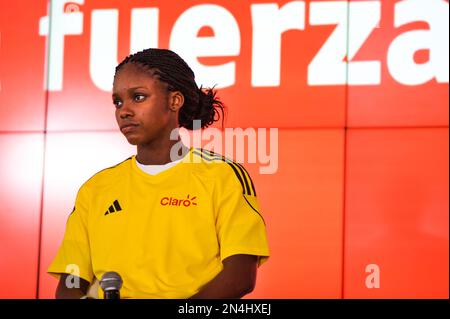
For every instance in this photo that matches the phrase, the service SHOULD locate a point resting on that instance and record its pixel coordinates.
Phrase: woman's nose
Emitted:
(125, 111)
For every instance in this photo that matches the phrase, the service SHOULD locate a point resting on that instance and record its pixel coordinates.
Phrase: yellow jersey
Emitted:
(165, 234)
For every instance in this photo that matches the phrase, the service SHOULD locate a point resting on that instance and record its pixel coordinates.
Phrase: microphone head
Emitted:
(111, 281)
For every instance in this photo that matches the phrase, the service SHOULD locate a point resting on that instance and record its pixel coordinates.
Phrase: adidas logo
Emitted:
(115, 207)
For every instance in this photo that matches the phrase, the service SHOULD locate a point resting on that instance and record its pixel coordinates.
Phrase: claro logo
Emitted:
(172, 201)
(334, 63)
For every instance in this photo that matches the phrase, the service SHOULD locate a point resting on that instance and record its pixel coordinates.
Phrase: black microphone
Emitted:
(111, 283)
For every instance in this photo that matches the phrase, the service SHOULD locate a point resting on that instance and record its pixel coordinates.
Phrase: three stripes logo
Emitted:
(248, 188)
(241, 173)
(114, 208)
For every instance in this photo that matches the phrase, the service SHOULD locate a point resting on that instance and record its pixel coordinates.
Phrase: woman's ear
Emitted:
(176, 100)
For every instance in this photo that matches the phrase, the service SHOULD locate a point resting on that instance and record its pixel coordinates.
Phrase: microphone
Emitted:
(111, 283)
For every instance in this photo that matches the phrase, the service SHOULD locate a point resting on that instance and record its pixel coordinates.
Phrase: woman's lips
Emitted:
(128, 128)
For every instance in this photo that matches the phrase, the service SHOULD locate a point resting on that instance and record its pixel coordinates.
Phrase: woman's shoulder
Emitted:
(221, 168)
(211, 161)
(107, 174)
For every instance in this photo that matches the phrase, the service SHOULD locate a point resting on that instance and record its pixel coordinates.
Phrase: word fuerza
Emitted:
(251, 308)
(334, 63)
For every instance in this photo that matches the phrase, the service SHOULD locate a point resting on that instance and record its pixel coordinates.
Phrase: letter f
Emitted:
(61, 24)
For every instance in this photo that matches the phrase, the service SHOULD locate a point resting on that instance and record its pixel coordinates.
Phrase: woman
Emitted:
(185, 227)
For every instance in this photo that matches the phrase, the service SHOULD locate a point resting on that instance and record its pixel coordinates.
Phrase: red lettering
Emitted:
(170, 201)
(164, 201)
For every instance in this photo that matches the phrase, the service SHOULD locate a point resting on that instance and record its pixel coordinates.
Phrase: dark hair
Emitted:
(199, 103)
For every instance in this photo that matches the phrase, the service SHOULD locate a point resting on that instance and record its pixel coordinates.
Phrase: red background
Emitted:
(362, 170)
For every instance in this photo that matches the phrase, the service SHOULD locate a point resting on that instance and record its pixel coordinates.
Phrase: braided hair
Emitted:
(199, 103)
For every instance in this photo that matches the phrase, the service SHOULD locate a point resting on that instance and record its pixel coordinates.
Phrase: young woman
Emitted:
(186, 227)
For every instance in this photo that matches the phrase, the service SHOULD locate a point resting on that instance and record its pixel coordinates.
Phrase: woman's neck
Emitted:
(158, 153)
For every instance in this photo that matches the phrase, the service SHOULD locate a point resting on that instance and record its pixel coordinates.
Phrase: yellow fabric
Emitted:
(172, 231)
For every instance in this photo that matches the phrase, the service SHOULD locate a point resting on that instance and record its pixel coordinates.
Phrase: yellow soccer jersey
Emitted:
(165, 234)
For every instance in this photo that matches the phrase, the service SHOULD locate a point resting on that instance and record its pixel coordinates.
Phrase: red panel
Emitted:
(302, 205)
(397, 213)
(20, 194)
(22, 69)
(70, 160)
(391, 103)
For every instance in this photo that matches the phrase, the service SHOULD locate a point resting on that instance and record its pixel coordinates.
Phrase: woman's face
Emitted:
(144, 107)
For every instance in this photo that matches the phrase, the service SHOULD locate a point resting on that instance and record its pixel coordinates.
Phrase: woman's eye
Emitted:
(117, 103)
(139, 97)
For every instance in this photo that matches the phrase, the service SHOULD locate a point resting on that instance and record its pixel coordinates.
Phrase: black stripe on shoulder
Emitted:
(198, 153)
(210, 158)
(211, 153)
(245, 174)
(249, 178)
(255, 210)
(206, 154)
(236, 168)
(244, 177)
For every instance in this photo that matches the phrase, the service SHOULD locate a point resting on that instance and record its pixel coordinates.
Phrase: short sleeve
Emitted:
(240, 226)
(73, 256)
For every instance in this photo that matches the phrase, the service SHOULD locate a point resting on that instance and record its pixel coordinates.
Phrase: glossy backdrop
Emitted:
(358, 90)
